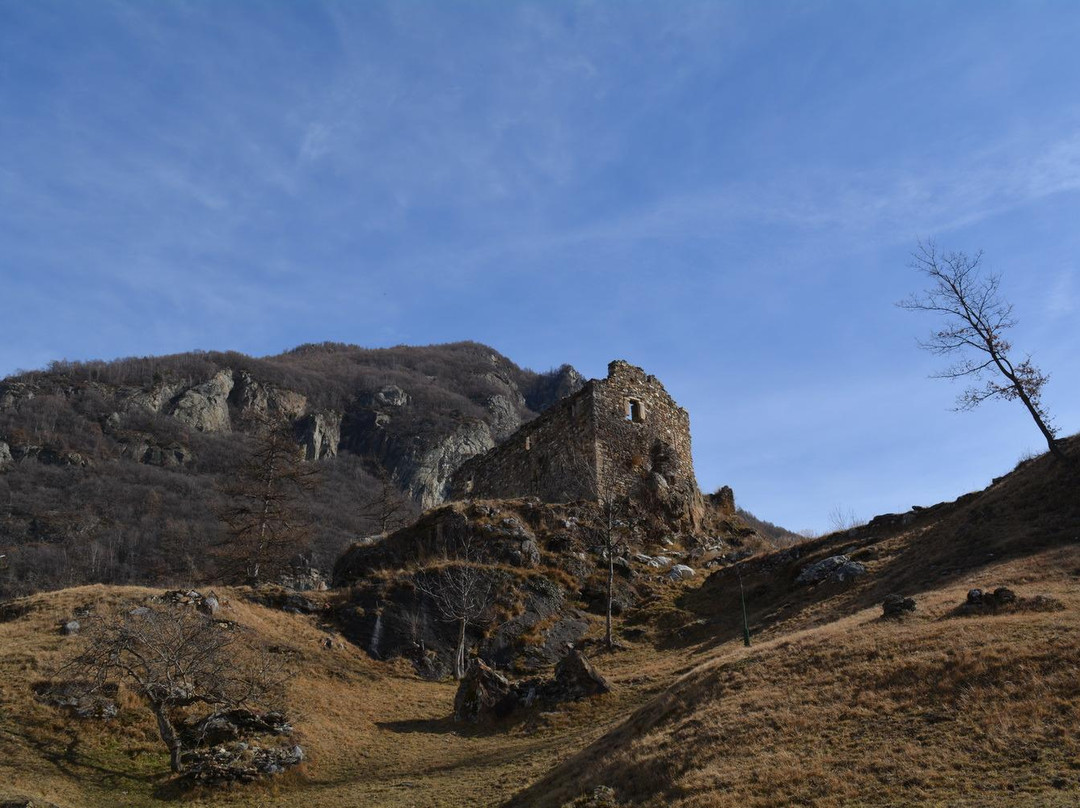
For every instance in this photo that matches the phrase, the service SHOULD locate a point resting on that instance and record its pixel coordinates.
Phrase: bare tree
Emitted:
(387, 509)
(976, 319)
(173, 658)
(463, 592)
(263, 518)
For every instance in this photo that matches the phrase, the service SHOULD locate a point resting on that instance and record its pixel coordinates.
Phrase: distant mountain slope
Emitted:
(108, 469)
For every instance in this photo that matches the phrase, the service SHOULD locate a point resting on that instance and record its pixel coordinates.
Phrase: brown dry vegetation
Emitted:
(831, 707)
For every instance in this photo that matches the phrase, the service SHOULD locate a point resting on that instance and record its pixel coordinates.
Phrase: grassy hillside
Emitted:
(832, 706)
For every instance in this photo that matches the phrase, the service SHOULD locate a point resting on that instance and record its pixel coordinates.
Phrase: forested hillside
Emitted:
(110, 471)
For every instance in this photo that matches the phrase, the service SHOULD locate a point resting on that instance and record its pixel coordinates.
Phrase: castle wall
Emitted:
(636, 423)
(622, 436)
(552, 458)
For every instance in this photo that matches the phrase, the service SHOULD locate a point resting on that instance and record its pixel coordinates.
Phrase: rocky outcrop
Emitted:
(153, 399)
(12, 393)
(320, 435)
(837, 568)
(485, 693)
(389, 395)
(505, 415)
(427, 475)
(143, 448)
(205, 406)
(262, 400)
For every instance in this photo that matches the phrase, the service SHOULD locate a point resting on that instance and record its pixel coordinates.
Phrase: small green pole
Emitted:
(742, 599)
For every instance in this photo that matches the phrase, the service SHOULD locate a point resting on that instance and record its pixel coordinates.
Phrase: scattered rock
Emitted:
(70, 627)
(1004, 599)
(24, 802)
(484, 692)
(835, 568)
(239, 762)
(232, 725)
(599, 797)
(681, 572)
(896, 606)
(79, 698)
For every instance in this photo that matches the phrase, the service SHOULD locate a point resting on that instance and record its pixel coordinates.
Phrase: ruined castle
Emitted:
(618, 438)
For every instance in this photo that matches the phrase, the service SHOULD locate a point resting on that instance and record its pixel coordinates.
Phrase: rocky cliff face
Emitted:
(409, 415)
(206, 406)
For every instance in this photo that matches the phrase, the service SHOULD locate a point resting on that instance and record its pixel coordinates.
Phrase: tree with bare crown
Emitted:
(975, 321)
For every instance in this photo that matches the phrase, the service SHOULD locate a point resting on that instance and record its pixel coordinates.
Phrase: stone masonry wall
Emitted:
(619, 437)
(636, 420)
(552, 457)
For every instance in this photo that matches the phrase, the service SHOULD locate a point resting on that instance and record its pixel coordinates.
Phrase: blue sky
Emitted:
(726, 194)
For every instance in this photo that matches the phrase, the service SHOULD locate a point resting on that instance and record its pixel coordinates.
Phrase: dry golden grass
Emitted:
(831, 707)
(933, 710)
(374, 733)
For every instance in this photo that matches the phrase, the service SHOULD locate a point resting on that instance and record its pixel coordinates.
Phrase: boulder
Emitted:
(680, 572)
(576, 678)
(70, 627)
(5, 454)
(239, 762)
(896, 606)
(837, 568)
(483, 692)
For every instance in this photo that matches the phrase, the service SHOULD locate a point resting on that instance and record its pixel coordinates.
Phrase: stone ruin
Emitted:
(618, 438)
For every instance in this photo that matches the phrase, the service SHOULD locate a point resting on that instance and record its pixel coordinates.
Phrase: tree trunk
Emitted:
(610, 592)
(459, 658)
(170, 737)
(1051, 440)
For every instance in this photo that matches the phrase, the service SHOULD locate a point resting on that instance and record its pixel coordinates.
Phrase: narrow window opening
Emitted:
(634, 411)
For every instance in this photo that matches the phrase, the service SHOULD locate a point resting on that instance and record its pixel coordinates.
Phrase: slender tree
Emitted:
(463, 592)
(975, 321)
(264, 518)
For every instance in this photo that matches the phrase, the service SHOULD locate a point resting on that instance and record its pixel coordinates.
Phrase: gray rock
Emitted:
(505, 415)
(680, 572)
(896, 606)
(260, 399)
(70, 627)
(835, 568)
(205, 406)
(576, 678)
(390, 396)
(320, 435)
(5, 453)
(428, 476)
